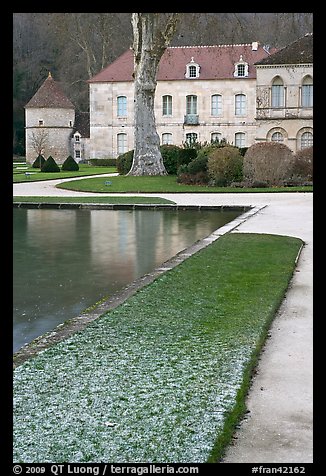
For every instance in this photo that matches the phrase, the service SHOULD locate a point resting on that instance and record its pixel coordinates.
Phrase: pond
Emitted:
(66, 260)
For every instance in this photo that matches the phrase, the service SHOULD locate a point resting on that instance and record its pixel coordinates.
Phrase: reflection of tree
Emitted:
(39, 141)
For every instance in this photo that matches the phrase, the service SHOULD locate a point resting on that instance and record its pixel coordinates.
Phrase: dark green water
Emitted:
(66, 260)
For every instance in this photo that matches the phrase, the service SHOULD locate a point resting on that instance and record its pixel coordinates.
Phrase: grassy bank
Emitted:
(165, 184)
(163, 377)
(92, 199)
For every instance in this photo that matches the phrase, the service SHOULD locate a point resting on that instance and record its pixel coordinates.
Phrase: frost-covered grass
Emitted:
(161, 378)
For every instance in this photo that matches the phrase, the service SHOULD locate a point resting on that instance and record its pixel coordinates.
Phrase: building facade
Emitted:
(206, 93)
(52, 126)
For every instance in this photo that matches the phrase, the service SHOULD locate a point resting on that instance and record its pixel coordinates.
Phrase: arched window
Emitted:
(277, 137)
(240, 68)
(240, 139)
(240, 105)
(216, 137)
(191, 138)
(192, 69)
(278, 92)
(307, 140)
(216, 105)
(122, 106)
(167, 105)
(122, 143)
(167, 138)
(307, 92)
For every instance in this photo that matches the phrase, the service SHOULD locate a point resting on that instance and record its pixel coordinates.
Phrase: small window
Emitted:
(41, 122)
(192, 69)
(278, 92)
(167, 105)
(307, 92)
(216, 105)
(167, 138)
(122, 143)
(191, 138)
(122, 106)
(77, 138)
(240, 139)
(216, 137)
(307, 140)
(77, 154)
(277, 137)
(240, 105)
(240, 68)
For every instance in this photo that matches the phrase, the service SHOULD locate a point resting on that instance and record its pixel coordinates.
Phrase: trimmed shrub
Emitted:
(70, 164)
(50, 165)
(303, 165)
(170, 154)
(124, 162)
(186, 155)
(225, 165)
(38, 162)
(270, 162)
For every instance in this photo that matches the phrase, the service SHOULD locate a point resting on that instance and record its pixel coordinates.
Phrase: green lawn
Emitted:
(162, 377)
(84, 169)
(164, 184)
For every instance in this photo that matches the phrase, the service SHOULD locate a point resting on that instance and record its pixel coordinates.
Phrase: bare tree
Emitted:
(152, 34)
(39, 141)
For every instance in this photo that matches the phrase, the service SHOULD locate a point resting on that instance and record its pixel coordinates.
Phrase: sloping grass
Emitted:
(164, 184)
(163, 377)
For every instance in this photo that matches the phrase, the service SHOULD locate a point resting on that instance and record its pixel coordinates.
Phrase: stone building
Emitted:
(52, 126)
(206, 93)
(284, 95)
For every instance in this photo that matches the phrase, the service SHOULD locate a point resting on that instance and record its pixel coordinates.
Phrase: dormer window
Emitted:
(77, 137)
(240, 69)
(192, 69)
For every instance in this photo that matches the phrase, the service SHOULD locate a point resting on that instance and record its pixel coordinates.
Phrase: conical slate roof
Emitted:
(50, 95)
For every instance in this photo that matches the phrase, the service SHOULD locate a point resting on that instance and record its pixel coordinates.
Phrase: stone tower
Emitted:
(49, 123)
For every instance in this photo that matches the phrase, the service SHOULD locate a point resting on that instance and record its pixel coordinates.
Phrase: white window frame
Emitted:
(121, 143)
(192, 69)
(167, 138)
(167, 105)
(240, 104)
(277, 136)
(307, 92)
(277, 93)
(216, 105)
(240, 139)
(191, 104)
(191, 137)
(306, 140)
(122, 106)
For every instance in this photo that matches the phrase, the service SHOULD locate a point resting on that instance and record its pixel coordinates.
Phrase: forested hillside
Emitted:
(75, 46)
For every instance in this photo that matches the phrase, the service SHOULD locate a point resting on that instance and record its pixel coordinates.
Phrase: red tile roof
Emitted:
(216, 62)
(51, 95)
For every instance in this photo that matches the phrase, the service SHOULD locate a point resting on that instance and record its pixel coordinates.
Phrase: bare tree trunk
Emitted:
(152, 34)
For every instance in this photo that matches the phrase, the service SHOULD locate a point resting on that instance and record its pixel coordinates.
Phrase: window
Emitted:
(240, 105)
(240, 139)
(277, 92)
(41, 122)
(306, 140)
(192, 69)
(122, 106)
(77, 154)
(191, 104)
(277, 137)
(167, 105)
(166, 138)
(122, 143)
(216, 137)
(191, 138)
(307, 92)
(216, 105)
(240, 68)
(77, 138)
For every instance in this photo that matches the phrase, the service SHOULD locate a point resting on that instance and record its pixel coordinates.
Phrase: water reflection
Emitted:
(66, 260)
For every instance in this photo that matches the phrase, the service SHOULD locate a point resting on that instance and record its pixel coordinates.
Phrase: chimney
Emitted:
(254, 45)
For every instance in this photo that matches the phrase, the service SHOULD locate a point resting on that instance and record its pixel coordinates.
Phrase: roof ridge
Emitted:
(211, 46)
